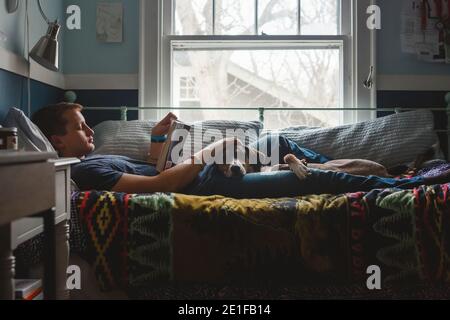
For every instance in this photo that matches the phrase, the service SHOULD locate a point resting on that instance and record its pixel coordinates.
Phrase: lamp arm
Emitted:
(42, 12)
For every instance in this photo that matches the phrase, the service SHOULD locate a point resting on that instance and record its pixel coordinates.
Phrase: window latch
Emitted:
(368, 83)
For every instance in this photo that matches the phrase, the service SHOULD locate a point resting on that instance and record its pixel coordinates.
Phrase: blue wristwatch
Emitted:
(159, 139)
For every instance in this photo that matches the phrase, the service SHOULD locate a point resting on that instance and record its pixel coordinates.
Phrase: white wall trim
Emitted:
(41, 74)
(17, 64)
(14, 63)
(413, 83)
(151, 18)
(102, 81)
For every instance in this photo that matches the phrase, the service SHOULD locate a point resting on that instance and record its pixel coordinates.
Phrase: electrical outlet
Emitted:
(12, 5)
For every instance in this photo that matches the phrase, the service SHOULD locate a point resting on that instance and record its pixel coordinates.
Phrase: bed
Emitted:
(176, 246)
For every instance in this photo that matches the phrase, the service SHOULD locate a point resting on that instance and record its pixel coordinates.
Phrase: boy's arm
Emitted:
(174, 179)
(155, 152)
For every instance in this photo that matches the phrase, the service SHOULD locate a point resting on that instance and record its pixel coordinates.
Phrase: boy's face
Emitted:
(78, 140)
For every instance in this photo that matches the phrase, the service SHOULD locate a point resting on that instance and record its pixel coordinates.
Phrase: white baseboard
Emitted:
(14, 63)
(413, 83)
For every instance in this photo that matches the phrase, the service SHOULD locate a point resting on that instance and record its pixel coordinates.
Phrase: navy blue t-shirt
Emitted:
(102, 172)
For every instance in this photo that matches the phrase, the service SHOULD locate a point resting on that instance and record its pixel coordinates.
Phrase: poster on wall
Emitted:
(109, 22)
(424, 29)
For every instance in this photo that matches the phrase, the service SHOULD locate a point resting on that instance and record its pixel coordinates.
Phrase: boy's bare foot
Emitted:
(297, 166)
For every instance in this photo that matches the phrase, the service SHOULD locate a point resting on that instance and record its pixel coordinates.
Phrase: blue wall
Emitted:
(13, 25)
(110, 98)
(84, 54)
(13, 88)
(14, 93)
(391, 59)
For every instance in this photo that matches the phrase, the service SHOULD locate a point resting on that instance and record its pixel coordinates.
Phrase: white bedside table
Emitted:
(35, 183)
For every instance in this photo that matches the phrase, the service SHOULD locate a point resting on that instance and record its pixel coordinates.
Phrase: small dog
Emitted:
(300, 167)
(238, 168)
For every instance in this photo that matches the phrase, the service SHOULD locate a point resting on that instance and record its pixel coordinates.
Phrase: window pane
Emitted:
(193, 17)
(320, 17)
(304, 78)
(235, 17)
(278, 17)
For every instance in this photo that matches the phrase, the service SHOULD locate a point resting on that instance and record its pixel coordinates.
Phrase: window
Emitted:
(272, 54)
(185, 91)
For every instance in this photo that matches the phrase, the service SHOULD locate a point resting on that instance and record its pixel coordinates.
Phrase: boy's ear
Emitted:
(56, 142)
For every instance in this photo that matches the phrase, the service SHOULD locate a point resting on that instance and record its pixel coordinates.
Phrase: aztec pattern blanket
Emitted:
(134, 241)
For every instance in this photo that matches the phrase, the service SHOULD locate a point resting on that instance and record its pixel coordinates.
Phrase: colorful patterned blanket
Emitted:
(138, 240)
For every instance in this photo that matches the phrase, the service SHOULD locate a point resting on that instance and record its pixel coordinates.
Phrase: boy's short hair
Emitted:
(50, 119)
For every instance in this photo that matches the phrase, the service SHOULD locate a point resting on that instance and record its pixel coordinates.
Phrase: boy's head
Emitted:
(65, 127)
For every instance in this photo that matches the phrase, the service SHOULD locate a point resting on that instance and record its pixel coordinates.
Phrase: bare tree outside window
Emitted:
(283, 77)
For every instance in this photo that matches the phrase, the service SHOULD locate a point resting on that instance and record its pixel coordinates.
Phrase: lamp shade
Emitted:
(46, 50)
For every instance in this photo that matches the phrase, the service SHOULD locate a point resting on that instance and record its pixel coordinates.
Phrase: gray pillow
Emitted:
(123, 138)
(30, 137)
(247, 132)
(132, 138)
(391, 140)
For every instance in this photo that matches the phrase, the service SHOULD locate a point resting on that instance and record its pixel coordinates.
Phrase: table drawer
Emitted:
(30, 189)
(25, 229)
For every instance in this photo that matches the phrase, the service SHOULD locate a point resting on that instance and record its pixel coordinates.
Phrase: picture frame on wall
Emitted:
(109, 24)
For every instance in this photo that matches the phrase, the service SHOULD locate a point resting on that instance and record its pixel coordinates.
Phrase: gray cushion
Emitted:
(390, 140)
(30, 137)
(132, 138)
(124, 138)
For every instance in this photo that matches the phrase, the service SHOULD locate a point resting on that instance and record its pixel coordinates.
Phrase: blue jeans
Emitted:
(286, 184)
(286, 146)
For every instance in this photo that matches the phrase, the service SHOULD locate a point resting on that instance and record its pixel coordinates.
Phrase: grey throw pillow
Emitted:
(391, 140)
(30, 137)
(132, 138)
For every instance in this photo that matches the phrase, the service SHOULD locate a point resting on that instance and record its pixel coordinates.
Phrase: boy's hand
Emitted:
(162, 127)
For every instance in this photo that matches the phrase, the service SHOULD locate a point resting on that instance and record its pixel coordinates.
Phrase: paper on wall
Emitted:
(408, 36)
(109, 24)
(425, 43)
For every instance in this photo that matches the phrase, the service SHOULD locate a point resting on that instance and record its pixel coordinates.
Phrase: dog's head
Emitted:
(239, 168)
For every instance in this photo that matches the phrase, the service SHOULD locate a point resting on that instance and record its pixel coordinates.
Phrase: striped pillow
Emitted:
(132, 138)
(391, 140)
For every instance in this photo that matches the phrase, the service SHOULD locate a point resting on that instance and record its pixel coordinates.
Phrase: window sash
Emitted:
(340, 4)
(157, 22)
(204, 43)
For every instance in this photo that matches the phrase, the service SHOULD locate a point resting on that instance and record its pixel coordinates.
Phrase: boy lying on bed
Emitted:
(65, 127)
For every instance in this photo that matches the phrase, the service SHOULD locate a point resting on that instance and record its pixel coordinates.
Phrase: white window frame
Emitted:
(157, 20)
